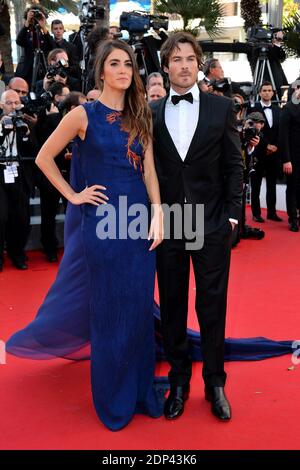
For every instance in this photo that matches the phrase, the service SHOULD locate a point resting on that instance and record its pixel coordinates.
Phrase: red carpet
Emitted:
(47, 404)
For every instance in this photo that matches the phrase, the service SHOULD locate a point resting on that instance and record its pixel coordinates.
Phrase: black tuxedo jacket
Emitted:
(271, 134)
(289, 134)
(212, 172)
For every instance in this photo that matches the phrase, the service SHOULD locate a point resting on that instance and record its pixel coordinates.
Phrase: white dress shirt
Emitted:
(268, 112)
(181, 120)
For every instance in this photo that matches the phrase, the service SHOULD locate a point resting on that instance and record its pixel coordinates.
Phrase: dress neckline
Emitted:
(109, 109)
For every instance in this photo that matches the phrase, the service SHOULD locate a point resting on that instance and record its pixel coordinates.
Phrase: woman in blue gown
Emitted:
(113, 152)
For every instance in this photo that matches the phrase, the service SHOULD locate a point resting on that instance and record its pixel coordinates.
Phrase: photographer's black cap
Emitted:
(255, 117)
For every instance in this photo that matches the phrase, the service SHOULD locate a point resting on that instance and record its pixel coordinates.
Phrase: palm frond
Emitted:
(70, 5)
(208, 12)
(292, 37)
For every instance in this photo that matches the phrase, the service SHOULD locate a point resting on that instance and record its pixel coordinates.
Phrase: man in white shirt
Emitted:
(198, 161)
(267, 155)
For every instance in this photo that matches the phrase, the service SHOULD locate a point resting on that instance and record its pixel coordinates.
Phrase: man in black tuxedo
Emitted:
(290, 156)
(198, 161)
(267, 155)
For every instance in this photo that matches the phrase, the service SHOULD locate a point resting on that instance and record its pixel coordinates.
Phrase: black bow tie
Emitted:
(176, 98)
(267, 107)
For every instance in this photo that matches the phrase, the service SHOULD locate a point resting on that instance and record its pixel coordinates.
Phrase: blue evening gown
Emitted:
(102, 298)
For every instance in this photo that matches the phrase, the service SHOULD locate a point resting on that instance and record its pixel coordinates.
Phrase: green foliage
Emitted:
(69, 5)
(292, 38)
(251, 13)
(207, 12)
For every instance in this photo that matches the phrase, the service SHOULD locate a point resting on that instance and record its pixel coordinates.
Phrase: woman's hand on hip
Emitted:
(90, 195)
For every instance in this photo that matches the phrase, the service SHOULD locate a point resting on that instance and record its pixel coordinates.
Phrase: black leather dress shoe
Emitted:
(294, 227)
(258, 218)
(219, 404)
(174, 405)
(20, 264)
(51, 257)
(274, 217)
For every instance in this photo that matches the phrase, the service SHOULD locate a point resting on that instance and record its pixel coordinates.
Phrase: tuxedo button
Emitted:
(186, 165)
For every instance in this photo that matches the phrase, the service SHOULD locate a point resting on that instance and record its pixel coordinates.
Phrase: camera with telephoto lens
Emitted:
(58, 69)
(222, 85)
(14, 122)
(136, 22)
(35, 105)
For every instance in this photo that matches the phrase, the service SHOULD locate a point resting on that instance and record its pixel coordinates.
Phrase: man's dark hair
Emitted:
(52, 54)
(209, 64)
(96, 36)
(173, 42)
(72, 100)
(54, 22)
(266, 83)
(56, 88)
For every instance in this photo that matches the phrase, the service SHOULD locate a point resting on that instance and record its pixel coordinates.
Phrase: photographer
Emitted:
(214, 77)
(94, 39)
(272, 49)
(49, 196)
(268, 164)
(250, 135)
(57, 29)
(20, 86)
(58, 71)
(290, 156)
(34, 35)
(114, 32)
(18, 151)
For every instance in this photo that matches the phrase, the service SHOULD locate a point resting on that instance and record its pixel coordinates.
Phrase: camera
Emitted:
(263, 35)
(238, 107)
(38, 15)
(14, 122)
(259, 33)
(222, 85)
(251, 132)
(58, 69)
(90, 13)
(35, 105)
(136, 22)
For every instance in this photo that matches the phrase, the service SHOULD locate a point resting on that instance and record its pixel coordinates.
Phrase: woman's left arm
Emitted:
(156, 231)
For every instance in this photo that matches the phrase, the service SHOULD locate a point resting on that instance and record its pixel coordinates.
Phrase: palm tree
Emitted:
(207, 12)
(251, 13)
(292, 29)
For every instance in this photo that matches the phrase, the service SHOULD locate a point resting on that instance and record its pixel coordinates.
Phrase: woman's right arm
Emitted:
(73, 124)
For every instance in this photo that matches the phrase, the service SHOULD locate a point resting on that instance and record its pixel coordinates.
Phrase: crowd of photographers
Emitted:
(57, 72)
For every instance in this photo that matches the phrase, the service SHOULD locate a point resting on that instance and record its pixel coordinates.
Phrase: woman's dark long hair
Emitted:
(136, 116)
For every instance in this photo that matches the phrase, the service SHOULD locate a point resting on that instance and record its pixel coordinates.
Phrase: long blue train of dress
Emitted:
(104, 290)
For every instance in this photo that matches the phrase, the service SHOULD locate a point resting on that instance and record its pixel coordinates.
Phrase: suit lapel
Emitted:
(163, 132)
(200, 132)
